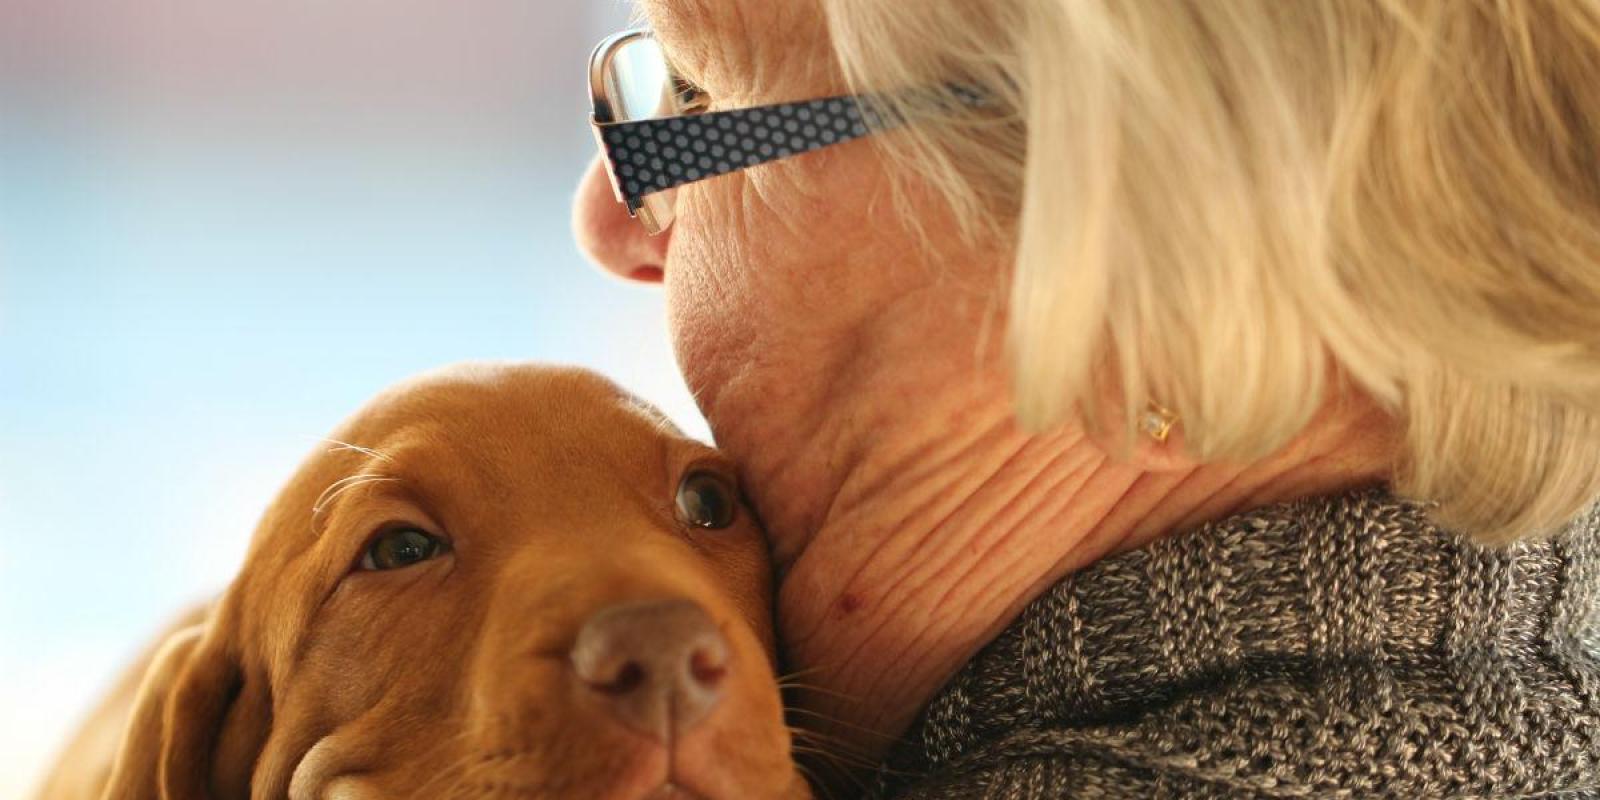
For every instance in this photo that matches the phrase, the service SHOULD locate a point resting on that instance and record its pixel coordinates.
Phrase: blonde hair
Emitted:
(1228, 202)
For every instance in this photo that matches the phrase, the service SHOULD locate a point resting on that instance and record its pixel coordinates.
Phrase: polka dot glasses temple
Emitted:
(655, 135)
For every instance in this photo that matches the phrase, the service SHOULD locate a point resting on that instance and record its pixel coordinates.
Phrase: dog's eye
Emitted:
(706, 500)
(400, 547)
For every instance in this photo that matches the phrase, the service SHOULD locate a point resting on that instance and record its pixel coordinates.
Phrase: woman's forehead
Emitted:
(694, 28)
(732, 43)
(690, 19)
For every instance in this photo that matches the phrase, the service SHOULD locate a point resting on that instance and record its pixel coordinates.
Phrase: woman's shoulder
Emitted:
(1335, 645)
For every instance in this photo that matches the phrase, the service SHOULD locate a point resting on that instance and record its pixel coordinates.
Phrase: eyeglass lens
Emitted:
(639, 84)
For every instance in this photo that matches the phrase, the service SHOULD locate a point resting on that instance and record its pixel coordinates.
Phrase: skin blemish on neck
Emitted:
(850, 603)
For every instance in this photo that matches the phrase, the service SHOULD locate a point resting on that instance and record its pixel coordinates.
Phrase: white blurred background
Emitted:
(223, 225)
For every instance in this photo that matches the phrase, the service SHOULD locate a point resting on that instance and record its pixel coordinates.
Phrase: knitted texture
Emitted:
(1337, 647)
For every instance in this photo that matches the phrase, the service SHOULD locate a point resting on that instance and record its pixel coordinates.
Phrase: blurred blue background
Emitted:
(223, 225)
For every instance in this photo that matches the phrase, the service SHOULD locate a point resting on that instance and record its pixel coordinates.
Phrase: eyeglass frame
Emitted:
(646, 189)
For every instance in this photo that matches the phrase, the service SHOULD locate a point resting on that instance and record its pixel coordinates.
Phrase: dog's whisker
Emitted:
(819, 690)
(366, 451)
(834, 758)
(801, 672)
(837, 748)
(825, 740)
(841, 754)
(342, 485)
(817, 715)
(838, 759)
(849, 756)
(322, 499)
(348, 480)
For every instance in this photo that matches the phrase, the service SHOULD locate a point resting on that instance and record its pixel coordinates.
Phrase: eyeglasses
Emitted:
(656, 135)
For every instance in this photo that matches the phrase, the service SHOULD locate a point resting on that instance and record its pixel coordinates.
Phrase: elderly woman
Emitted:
(1146, 398)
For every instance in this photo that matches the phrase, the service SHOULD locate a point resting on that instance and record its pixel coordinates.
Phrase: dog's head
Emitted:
(505, 581)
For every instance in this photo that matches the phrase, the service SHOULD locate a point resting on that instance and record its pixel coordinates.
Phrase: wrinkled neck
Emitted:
(940, 522)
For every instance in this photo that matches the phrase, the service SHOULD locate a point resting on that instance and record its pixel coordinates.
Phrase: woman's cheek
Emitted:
(712, 314)
(773, 273)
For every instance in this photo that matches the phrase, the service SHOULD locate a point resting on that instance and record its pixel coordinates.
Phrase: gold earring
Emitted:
(1157, 421)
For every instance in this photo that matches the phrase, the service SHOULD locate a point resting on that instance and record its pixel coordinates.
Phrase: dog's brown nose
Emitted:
(659, 665)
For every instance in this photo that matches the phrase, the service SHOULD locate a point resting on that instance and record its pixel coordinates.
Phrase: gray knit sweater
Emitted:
(1340, 647)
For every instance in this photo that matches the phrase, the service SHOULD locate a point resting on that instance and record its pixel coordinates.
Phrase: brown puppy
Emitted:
(514, 582)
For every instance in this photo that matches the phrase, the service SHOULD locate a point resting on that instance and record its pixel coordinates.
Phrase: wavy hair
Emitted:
(1233, 206)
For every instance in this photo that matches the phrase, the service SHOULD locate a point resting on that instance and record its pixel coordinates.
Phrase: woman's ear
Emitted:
(193, 733)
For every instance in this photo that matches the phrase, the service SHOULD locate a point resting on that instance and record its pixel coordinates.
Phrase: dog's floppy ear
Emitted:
(195, 731)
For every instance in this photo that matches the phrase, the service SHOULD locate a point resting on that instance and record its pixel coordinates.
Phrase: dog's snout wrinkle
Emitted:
(658, 667)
